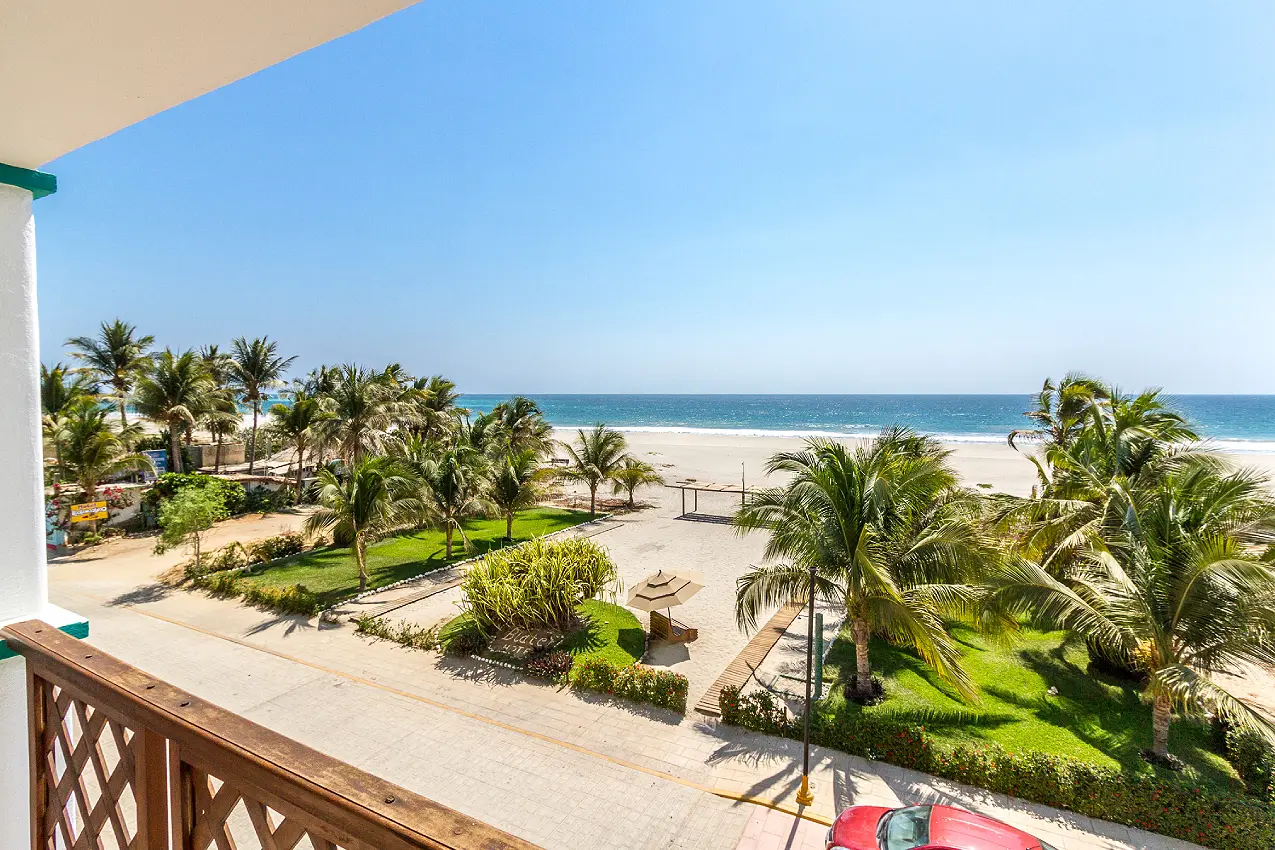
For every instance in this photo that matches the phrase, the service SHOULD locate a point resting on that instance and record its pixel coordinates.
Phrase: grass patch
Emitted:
(332, 575)
(1094, 718)
(612, 632)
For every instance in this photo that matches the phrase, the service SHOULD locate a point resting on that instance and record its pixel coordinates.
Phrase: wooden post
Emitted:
(37, 717)
(181, 800)
(151, 791)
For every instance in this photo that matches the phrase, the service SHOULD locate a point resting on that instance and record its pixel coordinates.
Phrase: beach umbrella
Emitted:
(665, 589)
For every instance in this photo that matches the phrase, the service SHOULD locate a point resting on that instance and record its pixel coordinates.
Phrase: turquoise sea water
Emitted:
(1237, 423)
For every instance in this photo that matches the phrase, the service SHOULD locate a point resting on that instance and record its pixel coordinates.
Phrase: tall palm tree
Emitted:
(60, 391)
(515, 486)
(594, 459)
(632, 474)
(177, 392)
(375, 497)
(436, 411)
(1178, 588)
(116, 356)
(523, 426)
(94, 448)
(364, 405)
(889, 537)
(257, 368)
(1061, 410)
(299, 424)
(451, 485)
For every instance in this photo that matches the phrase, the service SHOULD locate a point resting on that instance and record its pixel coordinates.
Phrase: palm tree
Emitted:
(116, 356)
(60, 391)
(94, 448)
(364, 405)
(594, 459)
(177, 392)
(523, 426)
(299, 424)
(256, 368)
(889, 537)
(435, 407)
(451, 486)
(1061, 410)
(515, 486)
(371, 500)
(632, 474)
(1178, 588)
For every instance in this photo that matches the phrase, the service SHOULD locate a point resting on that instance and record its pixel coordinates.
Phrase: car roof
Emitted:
(964, 830)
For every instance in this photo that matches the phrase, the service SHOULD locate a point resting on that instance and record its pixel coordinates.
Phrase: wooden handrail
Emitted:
(331, 800)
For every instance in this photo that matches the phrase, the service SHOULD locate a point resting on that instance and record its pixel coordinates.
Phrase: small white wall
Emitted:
(23, 583)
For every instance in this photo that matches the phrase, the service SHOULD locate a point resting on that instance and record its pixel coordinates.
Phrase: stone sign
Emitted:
(520, 642)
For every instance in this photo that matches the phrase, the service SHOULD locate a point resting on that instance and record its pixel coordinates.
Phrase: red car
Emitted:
(925, 828)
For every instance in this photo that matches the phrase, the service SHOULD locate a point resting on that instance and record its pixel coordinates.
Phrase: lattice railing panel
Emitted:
(226, 817)
(88, 763)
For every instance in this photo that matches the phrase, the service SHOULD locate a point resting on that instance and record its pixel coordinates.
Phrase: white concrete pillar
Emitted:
(23, 577)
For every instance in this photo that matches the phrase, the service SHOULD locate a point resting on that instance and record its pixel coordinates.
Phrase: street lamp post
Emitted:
(804, 796)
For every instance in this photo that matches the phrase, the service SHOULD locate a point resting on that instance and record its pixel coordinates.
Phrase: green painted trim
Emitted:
(78, 629)
(37, 183)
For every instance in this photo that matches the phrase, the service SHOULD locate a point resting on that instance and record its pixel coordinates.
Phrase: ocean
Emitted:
(1235, 422)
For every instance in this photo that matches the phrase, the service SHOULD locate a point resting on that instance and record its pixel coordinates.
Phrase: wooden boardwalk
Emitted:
(739, 670)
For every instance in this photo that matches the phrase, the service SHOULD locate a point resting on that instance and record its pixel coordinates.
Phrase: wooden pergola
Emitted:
(697, 487)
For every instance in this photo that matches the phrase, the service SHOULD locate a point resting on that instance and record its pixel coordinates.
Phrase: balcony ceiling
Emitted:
(73, 71)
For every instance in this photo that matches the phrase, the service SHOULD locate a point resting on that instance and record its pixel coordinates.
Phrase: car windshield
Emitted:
(904, 829)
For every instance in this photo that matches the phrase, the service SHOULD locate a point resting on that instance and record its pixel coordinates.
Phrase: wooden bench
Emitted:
(666, 628)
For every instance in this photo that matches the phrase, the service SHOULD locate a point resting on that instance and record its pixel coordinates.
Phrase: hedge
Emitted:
(636, 682)
(1173, 807)
(282, 600)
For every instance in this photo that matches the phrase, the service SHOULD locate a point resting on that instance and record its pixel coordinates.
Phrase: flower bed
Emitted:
(1170, 807)
(636, 682)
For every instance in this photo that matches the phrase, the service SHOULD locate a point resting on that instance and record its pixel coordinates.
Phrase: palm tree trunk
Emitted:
(252, 451)
(863, 670)
(449, 540)
(217, 455)
(175, 447)
(509, 526)
(593, 499)
(300, 458)
(123, 393)
(1161, 715)
(360, 555)
(631, 504)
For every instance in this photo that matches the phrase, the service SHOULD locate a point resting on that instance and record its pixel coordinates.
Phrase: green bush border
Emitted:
(636, 682)
(1176, 808)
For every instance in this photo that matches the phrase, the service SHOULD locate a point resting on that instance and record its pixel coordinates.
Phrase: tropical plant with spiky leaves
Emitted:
(61, 389)
(300, 424)
(115, 357)
(436, 414)
(1178, 587)
(94, 448)
(632, 474)
(594, 458)
(375, 497)
(257, 367)
(515, 485)
(890, 539)
(176, 393)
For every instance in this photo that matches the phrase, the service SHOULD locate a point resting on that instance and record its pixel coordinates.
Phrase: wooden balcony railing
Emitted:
(120, 759)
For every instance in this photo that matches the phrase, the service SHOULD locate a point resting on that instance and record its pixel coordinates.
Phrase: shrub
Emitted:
(283, 600)
(262, 500)
(636, 682)
(279, 546)
(232, 493)
(1170, 806)
(1253, 758)
(537, 584)
(550, 664)
(404, 632)
(461, 636)
(758, 711)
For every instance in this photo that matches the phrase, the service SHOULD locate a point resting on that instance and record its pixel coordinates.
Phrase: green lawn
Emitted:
(332, 574)
(613, 633)
(1094, 718)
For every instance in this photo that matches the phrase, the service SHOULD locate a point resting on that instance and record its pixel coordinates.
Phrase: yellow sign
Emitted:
(89, 511)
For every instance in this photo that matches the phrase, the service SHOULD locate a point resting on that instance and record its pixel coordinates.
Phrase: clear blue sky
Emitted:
(711, 197)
